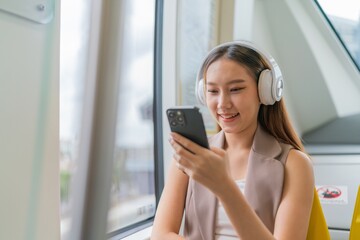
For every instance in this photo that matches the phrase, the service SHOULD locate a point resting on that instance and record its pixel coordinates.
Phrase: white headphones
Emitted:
(270, 84)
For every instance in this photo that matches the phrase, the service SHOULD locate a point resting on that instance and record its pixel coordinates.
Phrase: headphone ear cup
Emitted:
(199, 92)
(265, 87)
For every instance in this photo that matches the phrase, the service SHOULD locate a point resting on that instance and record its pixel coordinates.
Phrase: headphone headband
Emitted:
(270, 82)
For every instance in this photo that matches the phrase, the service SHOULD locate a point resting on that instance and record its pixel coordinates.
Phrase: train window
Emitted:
(133, 195)
(344, 18)
(135, 188)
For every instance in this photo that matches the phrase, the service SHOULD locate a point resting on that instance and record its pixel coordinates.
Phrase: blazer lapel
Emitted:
(264, 178)
(205, 201)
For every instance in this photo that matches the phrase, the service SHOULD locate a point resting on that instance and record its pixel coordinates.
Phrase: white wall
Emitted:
(29, 172)
(319, 85)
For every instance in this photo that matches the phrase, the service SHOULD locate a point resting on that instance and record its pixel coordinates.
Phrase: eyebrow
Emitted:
(229, 83)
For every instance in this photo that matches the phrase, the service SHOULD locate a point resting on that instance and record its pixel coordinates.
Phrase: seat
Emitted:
(355, 223)
(318, 229)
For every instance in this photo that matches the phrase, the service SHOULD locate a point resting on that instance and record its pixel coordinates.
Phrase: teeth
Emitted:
(230, 116)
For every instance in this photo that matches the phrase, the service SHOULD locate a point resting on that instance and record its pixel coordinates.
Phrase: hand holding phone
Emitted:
(188, 122)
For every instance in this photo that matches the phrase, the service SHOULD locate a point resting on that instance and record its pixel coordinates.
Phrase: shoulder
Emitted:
(292, 218)
(297, 158)
(299, 166)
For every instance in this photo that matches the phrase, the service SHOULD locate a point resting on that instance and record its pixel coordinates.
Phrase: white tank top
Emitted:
(223, 228)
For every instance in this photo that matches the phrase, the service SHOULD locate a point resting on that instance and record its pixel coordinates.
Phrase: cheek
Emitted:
(210, 100)
(253, 96)
(211, 104)
(248, 102)
(256, 95)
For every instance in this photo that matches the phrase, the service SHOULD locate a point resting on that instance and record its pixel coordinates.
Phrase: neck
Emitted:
(241, 140)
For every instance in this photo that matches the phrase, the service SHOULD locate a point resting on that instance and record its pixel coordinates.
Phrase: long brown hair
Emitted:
(273, 118)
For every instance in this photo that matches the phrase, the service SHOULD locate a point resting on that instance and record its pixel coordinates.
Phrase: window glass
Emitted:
(344, 17)
(196, 35)
(73, 54)
(132, 197)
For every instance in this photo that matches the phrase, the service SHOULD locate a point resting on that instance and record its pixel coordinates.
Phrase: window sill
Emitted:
(143, 234)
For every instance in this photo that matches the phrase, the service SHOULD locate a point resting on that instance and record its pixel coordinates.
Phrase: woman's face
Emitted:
(232, 95)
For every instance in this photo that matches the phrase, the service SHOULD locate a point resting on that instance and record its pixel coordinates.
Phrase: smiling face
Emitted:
(232, 95)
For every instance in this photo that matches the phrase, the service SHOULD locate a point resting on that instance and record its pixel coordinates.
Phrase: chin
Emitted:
(229, 129)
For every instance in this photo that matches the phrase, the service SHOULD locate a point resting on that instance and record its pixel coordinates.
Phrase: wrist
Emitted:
(225, 187)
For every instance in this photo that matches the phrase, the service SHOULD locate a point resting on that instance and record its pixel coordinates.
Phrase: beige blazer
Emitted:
(263, 188)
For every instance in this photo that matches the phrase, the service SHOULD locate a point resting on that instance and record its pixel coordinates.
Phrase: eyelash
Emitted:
(236, 89)
(212, 91)
(231, 90)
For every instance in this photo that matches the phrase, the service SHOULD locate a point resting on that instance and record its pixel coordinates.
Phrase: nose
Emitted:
(224, 101)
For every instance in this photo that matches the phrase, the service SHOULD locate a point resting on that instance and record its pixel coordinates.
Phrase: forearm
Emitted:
(170, 210)
(164, 229)
(243, 218)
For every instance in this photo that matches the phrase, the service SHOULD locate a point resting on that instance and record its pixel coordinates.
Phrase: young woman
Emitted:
(255, 182)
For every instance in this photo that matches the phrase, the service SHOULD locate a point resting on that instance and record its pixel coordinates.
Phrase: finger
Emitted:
(180, 150)
(186, 143)
(182, 161)
(177, 158)
(181, 168)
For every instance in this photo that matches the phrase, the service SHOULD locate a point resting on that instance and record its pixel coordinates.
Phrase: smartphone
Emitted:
(188, 122)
